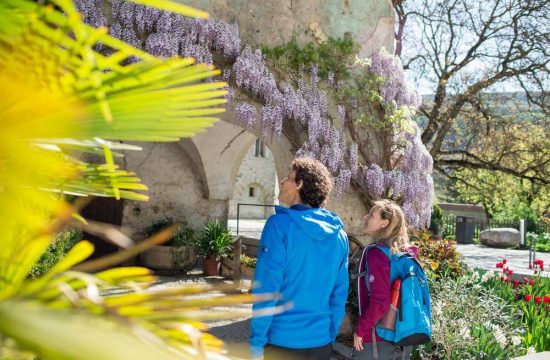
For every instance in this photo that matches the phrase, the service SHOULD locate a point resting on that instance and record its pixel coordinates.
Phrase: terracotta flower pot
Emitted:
(211, 266)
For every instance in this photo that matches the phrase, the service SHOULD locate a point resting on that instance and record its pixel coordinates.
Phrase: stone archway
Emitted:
(193, 181)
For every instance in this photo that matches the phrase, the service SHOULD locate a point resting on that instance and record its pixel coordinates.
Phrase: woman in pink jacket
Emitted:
(386, 225)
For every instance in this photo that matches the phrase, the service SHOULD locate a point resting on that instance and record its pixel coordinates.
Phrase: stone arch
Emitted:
(191, 149)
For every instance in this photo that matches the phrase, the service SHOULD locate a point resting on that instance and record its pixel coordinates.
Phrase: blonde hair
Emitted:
(394, 235)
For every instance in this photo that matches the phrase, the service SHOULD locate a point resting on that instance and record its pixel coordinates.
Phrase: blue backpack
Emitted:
(413, 325)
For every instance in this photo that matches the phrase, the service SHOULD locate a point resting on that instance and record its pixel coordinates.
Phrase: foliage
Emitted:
(481, 135)
(56, 250)
(439, 258)
(332, 57)
(530, 298)
(70, 90)
(478, 57)
(182, 236)
(215, 240)
(248, 261)
(542, 241)
(470, 321)
(503, 195)
(436, 222)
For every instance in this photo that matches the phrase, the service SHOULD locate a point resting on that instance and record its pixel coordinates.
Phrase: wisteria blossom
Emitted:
(374, 180)
(395, 87)
(246, 114)
(306, 104)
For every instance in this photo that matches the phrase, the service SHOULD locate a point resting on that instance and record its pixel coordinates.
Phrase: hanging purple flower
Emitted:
(342, 115)
(162, 44)
(374, 180)
(246, 114)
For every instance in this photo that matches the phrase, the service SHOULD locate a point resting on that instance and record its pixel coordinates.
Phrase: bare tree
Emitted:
(466, 52)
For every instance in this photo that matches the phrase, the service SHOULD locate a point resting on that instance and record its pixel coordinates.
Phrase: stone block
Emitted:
(500, 237)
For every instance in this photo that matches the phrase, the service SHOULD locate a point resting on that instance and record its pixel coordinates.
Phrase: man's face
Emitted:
(289, 190)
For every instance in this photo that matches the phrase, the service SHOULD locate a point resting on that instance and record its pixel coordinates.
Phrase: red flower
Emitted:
(502, 278)
(510, 272)
(499, 265)
(507, 279)
(537, 299)
(516, 284)
(530, 266)
(532, 282)
(528, 297)
(546, 299)
(504, 261)
(539, 262)
(525, 280)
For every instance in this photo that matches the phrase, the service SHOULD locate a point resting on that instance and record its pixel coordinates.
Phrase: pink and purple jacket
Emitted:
(373, 306)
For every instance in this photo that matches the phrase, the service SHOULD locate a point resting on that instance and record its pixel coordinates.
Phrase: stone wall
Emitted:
(175, 188)
(275, 22)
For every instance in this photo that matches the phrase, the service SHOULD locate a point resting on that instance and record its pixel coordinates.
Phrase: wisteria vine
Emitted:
(164, 34)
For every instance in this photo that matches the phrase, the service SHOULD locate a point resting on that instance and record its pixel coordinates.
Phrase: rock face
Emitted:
(275, 22)
(500, 237)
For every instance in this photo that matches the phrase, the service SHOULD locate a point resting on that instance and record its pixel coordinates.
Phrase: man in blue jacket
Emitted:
(303, 256)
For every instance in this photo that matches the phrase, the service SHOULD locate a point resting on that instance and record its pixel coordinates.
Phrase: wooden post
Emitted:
(237, 250)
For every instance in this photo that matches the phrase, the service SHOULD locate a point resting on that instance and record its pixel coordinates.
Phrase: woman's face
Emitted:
(373, 222)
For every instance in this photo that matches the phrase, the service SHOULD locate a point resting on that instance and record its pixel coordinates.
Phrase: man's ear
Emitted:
(299, 184)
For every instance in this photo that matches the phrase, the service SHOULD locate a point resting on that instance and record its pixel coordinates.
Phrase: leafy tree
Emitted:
(470, 54)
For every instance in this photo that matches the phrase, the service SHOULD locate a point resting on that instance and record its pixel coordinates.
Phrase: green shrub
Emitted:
(542, 241)
(248, 261)
(439, 258)
(470, 321)
(332, 56)
(436, 221)
(215, 240)
(62, 243)
(183, 236)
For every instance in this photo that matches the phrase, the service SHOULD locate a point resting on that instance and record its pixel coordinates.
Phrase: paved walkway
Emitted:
(479, 256)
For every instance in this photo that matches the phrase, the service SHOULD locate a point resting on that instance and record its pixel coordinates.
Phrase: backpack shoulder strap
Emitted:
(385, 250)
(362, 269)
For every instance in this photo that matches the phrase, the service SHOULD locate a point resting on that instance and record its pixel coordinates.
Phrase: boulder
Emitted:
(500, 237)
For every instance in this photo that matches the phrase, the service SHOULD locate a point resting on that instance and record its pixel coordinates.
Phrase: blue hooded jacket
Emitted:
(303, 256)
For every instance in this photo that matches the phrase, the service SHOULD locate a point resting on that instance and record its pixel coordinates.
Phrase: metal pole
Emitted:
(534, 249)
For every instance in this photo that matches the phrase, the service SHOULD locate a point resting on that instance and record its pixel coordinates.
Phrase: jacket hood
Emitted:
(316, 222)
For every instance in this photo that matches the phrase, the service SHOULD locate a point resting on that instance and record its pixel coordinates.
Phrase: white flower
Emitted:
(516, 340)
(464, 329)
(499, 336)
(488, 276)
(531, 350)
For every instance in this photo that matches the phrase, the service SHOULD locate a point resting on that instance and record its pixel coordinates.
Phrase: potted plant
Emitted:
(436, 222)
(178, 254)
(215, 243)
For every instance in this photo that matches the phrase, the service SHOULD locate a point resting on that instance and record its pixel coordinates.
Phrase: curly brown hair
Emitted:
(316, 180)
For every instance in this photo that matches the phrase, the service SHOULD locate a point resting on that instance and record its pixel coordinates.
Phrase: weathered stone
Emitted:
(275, 22)
(500, 237)
(257, 172)
(175, 258)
